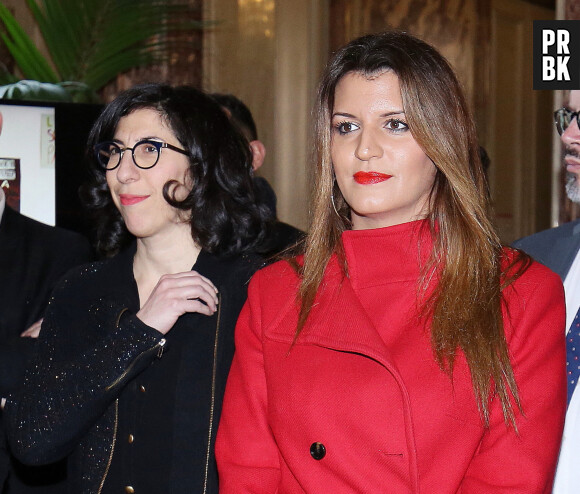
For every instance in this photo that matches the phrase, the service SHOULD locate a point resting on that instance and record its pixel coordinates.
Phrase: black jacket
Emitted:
(92, 354)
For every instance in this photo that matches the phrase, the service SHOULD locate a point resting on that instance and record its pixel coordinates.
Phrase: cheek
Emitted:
(110, 186)
(109, 179)
(421, 168)
(339, 156)
(425, 179)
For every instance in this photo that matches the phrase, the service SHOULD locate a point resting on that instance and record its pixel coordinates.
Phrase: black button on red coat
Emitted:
(317, 451)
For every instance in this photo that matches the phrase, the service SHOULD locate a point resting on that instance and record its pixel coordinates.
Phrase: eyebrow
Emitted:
(382, 115)
(149, 138)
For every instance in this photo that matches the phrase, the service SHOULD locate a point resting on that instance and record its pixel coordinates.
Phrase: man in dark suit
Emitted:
(558, 249)
(33, 257)
(283, 235)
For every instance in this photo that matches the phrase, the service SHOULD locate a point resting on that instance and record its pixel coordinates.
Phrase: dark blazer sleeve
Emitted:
(87, 351)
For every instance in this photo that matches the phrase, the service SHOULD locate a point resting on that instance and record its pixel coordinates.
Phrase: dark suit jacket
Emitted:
(555, 248)
(33, 257)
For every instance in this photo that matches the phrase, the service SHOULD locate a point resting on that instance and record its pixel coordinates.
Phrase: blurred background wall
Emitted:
(270, 53)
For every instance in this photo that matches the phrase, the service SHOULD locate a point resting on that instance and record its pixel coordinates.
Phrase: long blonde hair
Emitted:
(466, 306)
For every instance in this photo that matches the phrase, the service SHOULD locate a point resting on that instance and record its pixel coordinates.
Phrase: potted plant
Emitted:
(90, 42)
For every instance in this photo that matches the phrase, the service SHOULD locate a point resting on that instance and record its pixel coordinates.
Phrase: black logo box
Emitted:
(551, 67)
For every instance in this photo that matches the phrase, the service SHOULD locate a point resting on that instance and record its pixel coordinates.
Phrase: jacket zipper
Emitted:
(212, 402)
(112, 447)
(159, 347)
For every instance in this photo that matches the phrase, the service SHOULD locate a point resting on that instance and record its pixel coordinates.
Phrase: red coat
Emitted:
(353, 409)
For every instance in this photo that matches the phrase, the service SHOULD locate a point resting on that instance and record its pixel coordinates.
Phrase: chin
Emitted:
(137, 229)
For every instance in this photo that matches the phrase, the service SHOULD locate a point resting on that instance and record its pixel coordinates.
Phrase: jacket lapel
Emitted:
(564, 251)
(338, 321)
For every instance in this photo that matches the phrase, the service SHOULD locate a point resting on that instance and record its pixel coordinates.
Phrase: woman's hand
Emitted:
(176, 294)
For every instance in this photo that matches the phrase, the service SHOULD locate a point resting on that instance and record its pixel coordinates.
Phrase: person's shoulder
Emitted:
(87, 274)
(533, 293)
(526, 274)
(288, 233)
(544, 238)
(283, 240)
(48, 236)
(38, 227)
(108, 272)
(280, 277)
(284, 268)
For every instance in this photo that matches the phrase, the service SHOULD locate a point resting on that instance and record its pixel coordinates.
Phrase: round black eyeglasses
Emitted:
(564, 117)
(145, 153)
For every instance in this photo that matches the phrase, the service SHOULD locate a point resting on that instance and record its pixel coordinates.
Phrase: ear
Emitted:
(258, 154)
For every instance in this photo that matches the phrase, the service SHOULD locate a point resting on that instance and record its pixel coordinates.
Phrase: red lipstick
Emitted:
(366, 178)
(129, 200)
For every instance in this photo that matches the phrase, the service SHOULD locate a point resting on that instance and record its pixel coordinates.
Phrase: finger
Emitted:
(197, 306)
(197, 292)
(188, 276)
(190, 288)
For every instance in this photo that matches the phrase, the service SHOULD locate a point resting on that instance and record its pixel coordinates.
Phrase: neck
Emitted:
(170, 254)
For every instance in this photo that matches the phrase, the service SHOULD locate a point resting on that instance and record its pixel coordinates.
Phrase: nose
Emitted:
(571, 135)
(127, 171)
(368, 146)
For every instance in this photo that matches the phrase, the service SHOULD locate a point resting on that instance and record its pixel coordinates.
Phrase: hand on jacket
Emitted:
(176, 294)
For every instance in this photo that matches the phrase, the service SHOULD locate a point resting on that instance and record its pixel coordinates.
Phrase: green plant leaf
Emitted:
(6, 77)
(92, 41)
(27, 57)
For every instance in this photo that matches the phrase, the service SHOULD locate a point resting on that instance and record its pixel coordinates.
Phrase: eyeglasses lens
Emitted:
(562, 120)
(108, 155)
(146, 155)
(564, 117)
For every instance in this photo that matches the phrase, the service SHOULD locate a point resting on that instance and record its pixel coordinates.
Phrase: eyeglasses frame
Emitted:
(158, 144)
(568, 112)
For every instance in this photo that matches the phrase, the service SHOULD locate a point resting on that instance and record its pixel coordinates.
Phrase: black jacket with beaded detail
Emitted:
(132, 409)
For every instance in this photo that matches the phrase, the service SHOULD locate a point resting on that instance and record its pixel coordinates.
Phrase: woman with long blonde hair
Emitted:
(406, 351)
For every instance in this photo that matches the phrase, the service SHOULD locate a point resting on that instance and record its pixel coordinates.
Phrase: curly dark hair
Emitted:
(226, 215)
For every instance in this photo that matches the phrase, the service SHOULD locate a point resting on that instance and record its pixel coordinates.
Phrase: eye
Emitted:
(396, 125)
(147, 148)
(346, 127)
(112, 150)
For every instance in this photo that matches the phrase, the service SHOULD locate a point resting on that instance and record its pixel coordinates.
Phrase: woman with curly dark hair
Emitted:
(135, 349)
